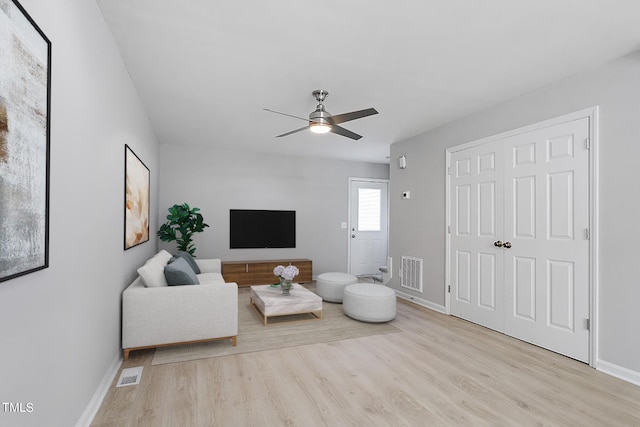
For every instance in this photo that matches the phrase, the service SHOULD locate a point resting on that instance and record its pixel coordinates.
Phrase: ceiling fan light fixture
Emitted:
(316, 127)
(320, 120)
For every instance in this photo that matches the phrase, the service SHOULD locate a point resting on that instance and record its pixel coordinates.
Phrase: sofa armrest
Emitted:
(170, 314)
(209, 265)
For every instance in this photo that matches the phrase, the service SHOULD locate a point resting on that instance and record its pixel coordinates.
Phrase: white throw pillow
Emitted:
(163, 256)
(152, 274)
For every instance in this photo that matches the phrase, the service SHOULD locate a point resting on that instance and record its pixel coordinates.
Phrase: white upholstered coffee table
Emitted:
(269, 302)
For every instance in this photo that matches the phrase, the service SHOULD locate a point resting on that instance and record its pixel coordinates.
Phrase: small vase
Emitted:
(286, 285)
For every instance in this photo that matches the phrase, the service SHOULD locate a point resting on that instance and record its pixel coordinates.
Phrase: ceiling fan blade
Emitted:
(293, 131)
(345, 117)
(285, 114)
(344, 132)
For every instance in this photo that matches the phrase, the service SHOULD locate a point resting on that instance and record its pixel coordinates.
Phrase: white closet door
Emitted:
(546, 218)
(529, 194)
(476, 222)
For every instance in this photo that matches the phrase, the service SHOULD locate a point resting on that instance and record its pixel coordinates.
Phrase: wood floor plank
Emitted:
(438, 371)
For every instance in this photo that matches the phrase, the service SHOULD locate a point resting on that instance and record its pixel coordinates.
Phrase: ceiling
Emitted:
(205, 70)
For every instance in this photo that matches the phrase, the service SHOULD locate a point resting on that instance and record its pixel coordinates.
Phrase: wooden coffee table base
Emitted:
(269, 302)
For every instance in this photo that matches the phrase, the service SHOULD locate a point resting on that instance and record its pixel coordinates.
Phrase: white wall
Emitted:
(418, 224)
(219, 180)
(61, 325)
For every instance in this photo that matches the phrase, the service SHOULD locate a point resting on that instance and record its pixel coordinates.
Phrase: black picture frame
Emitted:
(137, 185)
(25, 123)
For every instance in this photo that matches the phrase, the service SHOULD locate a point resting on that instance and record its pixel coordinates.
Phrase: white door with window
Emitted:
(519, 243)
(368, 225)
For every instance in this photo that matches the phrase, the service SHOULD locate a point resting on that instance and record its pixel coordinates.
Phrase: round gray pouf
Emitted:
(330, 286)
(369, 302)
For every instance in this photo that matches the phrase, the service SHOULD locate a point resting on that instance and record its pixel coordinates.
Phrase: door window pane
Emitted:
(369, 200)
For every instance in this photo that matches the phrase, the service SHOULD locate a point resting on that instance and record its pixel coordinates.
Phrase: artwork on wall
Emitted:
(25, 101)
(136, 200)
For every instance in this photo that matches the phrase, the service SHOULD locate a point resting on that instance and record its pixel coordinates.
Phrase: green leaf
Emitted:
(182, 222)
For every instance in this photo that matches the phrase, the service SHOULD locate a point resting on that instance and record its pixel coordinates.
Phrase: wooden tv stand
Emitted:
(260, 272)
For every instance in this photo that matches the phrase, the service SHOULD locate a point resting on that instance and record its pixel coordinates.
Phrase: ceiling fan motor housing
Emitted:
(320, 116)
(320, 119)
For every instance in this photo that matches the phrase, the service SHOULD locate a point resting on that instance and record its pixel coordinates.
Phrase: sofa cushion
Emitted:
(192, 262)
(152, 274)
(180, 273)
(210, 278)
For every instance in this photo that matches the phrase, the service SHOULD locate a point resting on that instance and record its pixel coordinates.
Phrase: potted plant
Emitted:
(182, 223)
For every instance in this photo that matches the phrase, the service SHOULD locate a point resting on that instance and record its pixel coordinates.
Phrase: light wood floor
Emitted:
(439, 371)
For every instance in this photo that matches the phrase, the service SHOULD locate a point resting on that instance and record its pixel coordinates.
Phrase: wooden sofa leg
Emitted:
(126, 354)
(234, 340)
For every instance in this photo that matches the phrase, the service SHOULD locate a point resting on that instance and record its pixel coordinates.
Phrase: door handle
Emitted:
(353, 236)
(497, 243)
(507, 245)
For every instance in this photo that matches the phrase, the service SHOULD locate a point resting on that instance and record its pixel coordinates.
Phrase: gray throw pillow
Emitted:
(180, 273)
(192, 262)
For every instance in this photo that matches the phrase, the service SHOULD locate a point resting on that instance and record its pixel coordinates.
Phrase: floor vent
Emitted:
(130, 376)
(411, 273)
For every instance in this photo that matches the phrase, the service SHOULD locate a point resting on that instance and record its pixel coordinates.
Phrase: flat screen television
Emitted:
(252, 229)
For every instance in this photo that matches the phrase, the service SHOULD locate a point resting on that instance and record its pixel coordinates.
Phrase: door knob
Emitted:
(507, 245)
(353, 236)
(497, 243)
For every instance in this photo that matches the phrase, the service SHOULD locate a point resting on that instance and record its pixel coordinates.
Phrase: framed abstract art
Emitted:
(136, 200)
(25, 101)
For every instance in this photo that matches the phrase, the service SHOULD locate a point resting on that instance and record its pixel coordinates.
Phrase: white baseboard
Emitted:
(618, 371)
(423, 302)
(94, 404)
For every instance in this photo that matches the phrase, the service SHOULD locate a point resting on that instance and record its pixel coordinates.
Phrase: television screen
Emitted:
(250, 229)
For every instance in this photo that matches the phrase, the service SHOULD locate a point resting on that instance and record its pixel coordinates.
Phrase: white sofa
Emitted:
(155, 314)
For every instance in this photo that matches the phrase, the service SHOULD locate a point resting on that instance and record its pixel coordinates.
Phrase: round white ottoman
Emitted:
(369, 302)
(330, 286)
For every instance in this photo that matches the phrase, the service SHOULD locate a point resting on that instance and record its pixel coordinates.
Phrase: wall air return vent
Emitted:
(411, 273)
